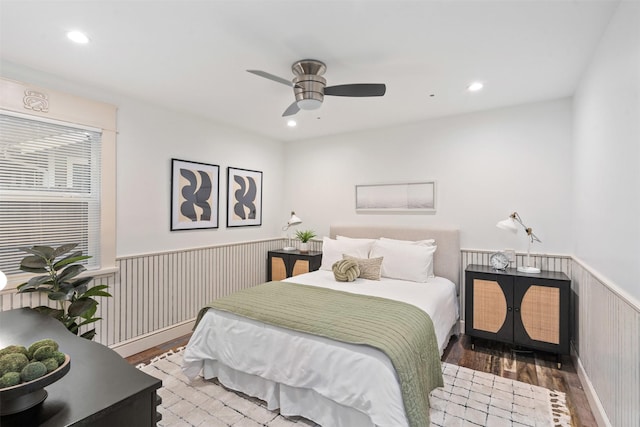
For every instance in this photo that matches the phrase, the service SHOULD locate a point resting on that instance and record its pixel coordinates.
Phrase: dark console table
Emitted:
(101, 389)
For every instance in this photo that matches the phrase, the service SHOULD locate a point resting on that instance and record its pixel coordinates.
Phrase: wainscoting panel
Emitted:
(156, 291)
(607, 340)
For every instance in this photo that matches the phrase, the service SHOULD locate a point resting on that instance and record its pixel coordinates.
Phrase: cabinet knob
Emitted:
(517, 309)
(509, 309)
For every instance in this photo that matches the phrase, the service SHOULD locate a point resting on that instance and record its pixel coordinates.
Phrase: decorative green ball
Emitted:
(59, 356)
(33, 371)
(13, 362)
(14, 349)
(36, 345)
(44, 352)
(9, 379)
(51, 364)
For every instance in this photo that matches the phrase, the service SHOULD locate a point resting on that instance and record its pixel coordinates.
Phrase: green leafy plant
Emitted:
(305, 235)
(76, 304)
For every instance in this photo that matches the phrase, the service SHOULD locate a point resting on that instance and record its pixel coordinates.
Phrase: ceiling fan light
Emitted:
(309, 104)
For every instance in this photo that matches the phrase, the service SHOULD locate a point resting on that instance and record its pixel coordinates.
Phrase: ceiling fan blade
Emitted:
(271, 77)
(291, 110)
(356, 89)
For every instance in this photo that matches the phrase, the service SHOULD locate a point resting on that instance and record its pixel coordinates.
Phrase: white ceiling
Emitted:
(192, 55)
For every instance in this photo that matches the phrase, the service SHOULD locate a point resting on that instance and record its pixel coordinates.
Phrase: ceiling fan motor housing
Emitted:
(308, 85)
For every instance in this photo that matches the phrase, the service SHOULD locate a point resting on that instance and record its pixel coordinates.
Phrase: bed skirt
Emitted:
(291, 401)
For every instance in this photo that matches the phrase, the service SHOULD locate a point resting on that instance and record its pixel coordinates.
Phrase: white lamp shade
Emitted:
(508, 224)
(3, 280)
(294, 220)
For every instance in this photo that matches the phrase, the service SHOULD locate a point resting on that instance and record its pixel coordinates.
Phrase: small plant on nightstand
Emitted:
(304, 236)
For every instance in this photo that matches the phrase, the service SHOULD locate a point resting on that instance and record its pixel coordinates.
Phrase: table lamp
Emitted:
(509, 224)
(294, 220)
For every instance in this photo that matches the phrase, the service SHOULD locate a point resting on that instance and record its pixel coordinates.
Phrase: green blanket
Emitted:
(402, 331)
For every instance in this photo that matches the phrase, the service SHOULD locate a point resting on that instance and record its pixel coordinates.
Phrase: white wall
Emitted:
(147, 141)
(486, 165)
(148, 137)
(606, 159)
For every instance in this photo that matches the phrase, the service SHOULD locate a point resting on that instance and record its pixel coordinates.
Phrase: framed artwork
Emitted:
(413, 197)
(244, 197)
(194, 195)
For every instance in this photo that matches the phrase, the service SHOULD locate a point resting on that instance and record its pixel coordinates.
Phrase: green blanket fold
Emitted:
(402, 331)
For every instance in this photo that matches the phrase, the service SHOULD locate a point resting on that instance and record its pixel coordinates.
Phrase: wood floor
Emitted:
(537, 368)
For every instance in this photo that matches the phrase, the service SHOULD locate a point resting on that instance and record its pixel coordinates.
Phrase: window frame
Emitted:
(41, 103)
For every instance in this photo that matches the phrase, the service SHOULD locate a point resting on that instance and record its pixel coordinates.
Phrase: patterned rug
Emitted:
(468, 398)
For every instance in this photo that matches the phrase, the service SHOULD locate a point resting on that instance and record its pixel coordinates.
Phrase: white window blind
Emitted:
(49, 188)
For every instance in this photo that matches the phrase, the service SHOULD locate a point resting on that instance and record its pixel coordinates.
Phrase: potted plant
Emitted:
(76, 304)
(304, 236)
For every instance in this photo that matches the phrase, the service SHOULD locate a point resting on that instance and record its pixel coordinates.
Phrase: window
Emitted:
(49, 188)
(57, 175)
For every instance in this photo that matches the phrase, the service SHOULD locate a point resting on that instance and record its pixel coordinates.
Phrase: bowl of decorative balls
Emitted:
(26, 371)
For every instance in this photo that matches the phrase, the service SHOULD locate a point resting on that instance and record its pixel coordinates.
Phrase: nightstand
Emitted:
(282, 264)
(529, 310)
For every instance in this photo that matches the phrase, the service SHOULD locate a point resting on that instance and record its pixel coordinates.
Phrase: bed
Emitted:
(331, 382)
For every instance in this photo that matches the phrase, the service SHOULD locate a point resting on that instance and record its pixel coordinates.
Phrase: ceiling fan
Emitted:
(309, 87)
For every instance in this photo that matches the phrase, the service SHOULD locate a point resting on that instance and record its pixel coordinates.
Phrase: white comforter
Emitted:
(330, 382)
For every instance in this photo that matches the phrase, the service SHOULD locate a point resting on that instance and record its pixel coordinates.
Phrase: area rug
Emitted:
(468, 398)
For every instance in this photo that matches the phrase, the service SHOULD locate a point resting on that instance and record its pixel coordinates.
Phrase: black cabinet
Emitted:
(529, 310)
(282, 264)
(100, 390)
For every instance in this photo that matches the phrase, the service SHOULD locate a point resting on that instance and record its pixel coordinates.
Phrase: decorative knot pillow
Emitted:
(345, 270)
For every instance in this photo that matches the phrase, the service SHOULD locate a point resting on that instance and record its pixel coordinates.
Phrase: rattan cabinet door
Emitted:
(277, 268)
(489, 306)
(541, 314)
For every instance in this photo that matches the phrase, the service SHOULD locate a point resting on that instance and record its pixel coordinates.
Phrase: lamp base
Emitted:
(528, 269)
(289, 248)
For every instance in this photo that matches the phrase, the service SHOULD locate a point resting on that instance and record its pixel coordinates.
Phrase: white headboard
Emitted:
(446, 260)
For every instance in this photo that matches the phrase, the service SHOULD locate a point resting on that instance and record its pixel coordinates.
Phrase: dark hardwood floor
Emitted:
(537, 368)
(147, 355)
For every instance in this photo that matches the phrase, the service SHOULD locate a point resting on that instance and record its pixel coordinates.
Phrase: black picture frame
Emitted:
(244, 197)
(195, 190)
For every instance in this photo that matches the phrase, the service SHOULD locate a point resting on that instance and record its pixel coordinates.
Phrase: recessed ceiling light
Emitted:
(291, 123)
(475, 86)
(78, 37)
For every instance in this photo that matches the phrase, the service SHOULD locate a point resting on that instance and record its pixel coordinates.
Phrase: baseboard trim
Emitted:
(152, 339)
(594, 401)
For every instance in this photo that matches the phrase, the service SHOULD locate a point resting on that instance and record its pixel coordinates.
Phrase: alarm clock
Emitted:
(499, 261)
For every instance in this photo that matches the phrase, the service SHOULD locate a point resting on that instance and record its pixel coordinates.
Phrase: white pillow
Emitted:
(370, 241)
(405, 262)
(428, 242)
(332, 250)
